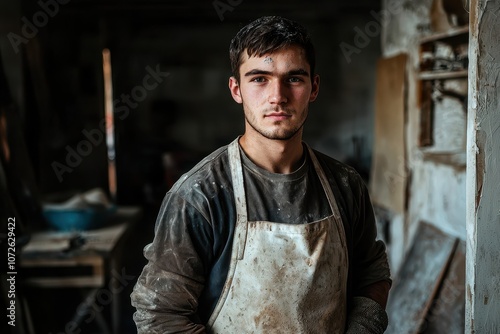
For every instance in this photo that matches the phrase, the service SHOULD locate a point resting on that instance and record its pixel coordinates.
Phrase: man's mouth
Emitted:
(278, 116)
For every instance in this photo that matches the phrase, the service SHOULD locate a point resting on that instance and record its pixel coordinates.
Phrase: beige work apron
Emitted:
(283, 278)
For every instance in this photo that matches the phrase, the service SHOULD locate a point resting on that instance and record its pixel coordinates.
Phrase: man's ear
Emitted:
(234, 87)
(315, 88)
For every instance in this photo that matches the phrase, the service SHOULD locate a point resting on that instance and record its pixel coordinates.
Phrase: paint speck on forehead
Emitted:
(268, 60)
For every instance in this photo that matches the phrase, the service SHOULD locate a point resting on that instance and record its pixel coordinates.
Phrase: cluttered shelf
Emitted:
(442, 93)
(444, 55)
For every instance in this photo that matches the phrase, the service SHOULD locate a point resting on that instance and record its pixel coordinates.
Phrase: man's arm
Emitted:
(166, 293)
(371, 281)
(378, 291)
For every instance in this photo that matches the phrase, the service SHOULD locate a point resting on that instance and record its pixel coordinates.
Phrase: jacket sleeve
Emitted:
(371, 274)
(167, 291)
(369, 254)
(366, 317)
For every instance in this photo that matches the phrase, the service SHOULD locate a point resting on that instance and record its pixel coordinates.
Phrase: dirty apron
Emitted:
(283, 278)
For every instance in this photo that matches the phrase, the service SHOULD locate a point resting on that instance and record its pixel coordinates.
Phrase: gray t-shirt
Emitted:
(295, 198)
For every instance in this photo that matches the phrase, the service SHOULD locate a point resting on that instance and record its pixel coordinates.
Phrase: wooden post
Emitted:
(110, 123)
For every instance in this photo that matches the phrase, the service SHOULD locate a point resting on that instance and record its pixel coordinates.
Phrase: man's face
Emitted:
(275, 91)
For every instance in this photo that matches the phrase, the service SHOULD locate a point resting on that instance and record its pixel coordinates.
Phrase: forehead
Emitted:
(290, 56)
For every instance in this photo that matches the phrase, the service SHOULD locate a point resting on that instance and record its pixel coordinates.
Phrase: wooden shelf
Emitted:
(456, 160)
(450, 46)
(455, 35)
(437, 75)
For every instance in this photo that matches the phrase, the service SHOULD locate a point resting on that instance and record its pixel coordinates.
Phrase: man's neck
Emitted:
(276, 156)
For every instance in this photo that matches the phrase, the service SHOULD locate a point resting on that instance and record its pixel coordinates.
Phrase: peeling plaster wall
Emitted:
(436, 190)
(483, 177)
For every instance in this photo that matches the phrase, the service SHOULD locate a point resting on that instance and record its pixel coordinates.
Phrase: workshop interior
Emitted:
(105, 104)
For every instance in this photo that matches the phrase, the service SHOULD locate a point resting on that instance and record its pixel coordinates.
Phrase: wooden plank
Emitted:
(426, 137)
(388, 175)
(447, 314)
(419, 279)
(68, 282)
(40, 269)
(460, 34)
(441, 75)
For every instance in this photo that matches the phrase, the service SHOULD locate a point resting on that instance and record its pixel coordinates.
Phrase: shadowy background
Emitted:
(54, 88)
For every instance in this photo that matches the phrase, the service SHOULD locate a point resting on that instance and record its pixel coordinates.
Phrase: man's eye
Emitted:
(294, 79)
(258, 79)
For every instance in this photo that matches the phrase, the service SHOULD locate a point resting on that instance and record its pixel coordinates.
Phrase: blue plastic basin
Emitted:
(77, 219)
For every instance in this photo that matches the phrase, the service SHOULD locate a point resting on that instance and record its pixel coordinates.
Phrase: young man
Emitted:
(266, 235)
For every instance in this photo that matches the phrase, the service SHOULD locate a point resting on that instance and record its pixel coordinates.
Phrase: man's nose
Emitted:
(277, 92)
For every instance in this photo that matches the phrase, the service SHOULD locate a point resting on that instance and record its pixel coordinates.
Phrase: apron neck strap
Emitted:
(239, 197)
(324, 182)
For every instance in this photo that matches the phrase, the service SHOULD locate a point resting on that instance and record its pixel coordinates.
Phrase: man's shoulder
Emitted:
(210, 169)
(336, 167)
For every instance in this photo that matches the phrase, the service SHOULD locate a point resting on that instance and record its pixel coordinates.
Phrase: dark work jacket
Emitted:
(191, 252)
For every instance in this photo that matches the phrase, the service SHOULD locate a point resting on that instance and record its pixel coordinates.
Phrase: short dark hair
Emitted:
(266, 35)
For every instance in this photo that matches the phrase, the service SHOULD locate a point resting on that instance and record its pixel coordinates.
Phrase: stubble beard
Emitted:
(277, 134)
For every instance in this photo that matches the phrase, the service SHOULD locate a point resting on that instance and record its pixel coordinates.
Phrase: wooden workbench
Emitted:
(88, 260)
